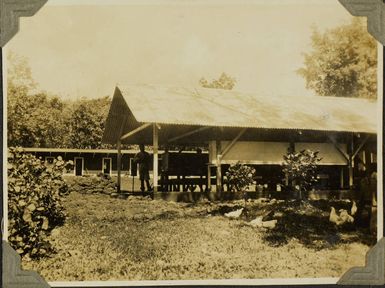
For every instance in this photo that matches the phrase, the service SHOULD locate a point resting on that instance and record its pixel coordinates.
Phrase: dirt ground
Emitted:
(138, 238)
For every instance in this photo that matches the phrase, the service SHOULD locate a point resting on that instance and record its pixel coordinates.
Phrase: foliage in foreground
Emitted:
(239, 177)
(35, 190)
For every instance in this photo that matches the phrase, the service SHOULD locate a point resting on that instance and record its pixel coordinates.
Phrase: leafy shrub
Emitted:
(239, 177)
(301, 168)
(35, 190)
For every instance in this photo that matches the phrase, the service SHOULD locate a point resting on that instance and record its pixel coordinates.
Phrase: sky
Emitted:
(85, 48)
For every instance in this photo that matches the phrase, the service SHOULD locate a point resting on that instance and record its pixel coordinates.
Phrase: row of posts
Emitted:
(218, 163)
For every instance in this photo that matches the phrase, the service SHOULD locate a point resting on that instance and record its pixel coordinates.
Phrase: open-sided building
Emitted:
(247, 128)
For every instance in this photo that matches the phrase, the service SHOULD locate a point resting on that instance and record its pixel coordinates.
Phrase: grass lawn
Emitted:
(106, 238)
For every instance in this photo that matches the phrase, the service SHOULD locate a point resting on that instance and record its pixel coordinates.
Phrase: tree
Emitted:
(87, 122)
(239, 177)
(19, 75)
(224, 82)
(343, 62)
(35, 119)
(301, 168)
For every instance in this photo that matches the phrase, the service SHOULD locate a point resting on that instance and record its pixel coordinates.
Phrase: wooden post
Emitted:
(286, 179)
(119, 156)
(350, 173)
(219, 167)
(155, 149)
(342, 178)
(351, 163)
(209, 177)
(119, 164)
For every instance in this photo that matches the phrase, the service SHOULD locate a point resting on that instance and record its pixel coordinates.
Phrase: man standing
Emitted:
(143, 159)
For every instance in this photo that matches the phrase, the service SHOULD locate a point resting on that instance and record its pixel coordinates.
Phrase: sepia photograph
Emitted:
(192, 141)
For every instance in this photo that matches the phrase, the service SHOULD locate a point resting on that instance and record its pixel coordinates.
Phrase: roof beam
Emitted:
(360, 146)
(133, 132)
(188, 133)
(232, 143)
(346, 155)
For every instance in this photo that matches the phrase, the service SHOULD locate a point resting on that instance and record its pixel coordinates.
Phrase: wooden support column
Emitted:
(219, 167)
(342, 184)
(119, 156)
(352, 155)
(349, 158)
(155, 149)
(359, 148)
(351, 173)
(351, 162)
(119, 164)
(209, 177)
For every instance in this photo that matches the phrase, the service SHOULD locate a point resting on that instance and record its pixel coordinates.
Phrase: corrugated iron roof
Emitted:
(96, 151)
(74, 150)
(223, 108)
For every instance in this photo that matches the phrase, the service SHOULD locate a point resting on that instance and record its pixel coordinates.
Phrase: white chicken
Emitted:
(344, 215)
(234, 214)
(341, 219)
(354, 208)
(257, 222)
(269, 224)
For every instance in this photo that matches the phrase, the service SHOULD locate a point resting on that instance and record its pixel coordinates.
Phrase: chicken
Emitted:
(234, 214)
(333, 217)
(257, 222)
(341, 219)
(269, 224)
(345, 217)
(353, 210)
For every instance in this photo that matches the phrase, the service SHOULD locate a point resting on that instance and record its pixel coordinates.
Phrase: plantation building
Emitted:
(247, 128)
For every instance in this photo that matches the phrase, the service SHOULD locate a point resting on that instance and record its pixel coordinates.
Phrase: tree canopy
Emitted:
(38, 119)
(343, 62)
(223, 82)
(87, 122)
(35, 119)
